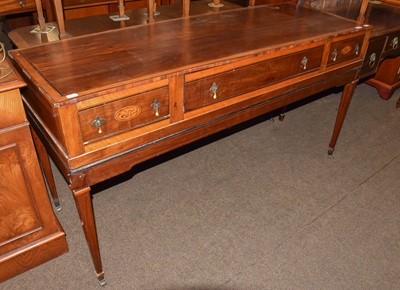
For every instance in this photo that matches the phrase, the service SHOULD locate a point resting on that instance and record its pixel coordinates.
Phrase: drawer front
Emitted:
(215, 88)
(373, 56)
(345, 50)
(124, 114)
(16, 6)
(393, 44)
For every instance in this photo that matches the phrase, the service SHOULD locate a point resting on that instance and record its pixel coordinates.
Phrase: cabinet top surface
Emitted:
(85, 63)
(9, 79)
(383, 17)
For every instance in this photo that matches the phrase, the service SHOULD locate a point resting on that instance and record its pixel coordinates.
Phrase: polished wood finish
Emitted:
(385, 19)
(381, 67)
(30, 233)
(207, 72)
(387, 78)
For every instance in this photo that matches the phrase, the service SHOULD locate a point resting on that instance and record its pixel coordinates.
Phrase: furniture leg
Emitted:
(46, 168)
(341, 115)
(83, 201)
(398, 103)
(58, 6)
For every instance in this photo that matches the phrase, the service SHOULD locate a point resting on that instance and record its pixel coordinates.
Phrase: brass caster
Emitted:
(57, 205)
(330, 153)
(281, 117)
(102, 281)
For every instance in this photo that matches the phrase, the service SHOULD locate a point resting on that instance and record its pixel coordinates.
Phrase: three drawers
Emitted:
(218, 87)
(204, 88)
(124, 114)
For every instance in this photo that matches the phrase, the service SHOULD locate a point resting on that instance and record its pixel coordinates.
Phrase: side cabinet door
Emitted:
(26, 214)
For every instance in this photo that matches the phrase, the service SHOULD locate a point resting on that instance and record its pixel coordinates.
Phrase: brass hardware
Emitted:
(334, 55)
(395, 43)
(216, 4)
(304, 62)
(22, 3)
(98, 122)
(356, 49)
(213, 90)
(372, 59)
(155, 106)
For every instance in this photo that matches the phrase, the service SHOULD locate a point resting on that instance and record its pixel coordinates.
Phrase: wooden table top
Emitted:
(85, 63)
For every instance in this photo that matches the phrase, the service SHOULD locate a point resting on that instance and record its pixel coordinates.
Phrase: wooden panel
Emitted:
(238, 81)
(11, 109)
(18, 217)
(23, 195)
(393, 44)
(127, 113)
(345, 50)
(373, 56)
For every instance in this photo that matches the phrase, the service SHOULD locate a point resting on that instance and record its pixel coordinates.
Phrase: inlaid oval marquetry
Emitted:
(127, 113)
(346, 49)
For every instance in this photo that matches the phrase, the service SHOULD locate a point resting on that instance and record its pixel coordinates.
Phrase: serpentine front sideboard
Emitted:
(105, 102)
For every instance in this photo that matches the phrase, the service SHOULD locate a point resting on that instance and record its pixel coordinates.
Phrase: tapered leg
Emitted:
(341, 115)
(83, 202)
(46, 168)
(398, 103)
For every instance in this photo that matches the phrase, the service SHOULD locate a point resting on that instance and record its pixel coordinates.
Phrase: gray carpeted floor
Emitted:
(261, 208)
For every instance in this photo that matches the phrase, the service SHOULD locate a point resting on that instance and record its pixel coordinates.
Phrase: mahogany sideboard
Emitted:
(384, 49)
(30, 232)
(104, 102)
(385, 18)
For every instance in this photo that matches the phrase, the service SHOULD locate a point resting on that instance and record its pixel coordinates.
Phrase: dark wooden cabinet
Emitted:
(387, 78)
(381, 68)
(30, 233)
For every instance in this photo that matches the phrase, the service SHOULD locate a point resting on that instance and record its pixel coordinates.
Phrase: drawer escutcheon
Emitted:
(394, 43)
(98, 122)
(213, 90)
(304, 62)
(372, 60)
(155, 106)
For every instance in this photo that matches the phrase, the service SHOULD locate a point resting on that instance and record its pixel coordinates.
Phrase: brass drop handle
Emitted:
(155, 106)
(334, 55)
(98, 122)
(395, 43)
(213, 90)
(22, 3)
(356, 49)
(304, 62)
(372, 59)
